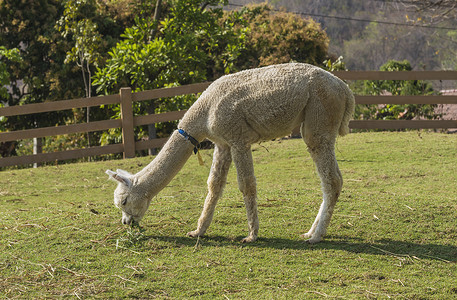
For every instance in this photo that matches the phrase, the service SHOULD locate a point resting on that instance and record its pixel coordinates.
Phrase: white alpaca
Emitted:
(236, 111)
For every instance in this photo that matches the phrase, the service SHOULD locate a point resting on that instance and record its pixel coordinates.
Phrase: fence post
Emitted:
(128, 134)
(37, 149)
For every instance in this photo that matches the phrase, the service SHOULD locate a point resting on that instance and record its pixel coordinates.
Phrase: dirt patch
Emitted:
(449, 111)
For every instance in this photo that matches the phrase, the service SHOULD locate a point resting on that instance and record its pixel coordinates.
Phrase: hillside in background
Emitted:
(367, 33)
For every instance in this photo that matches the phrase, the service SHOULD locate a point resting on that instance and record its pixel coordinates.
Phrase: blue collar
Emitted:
(191, 139)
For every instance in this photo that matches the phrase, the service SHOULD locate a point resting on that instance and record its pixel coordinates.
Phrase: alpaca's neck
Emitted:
(155, 176)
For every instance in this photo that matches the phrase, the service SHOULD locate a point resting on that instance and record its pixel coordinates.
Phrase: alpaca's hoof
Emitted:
(306, 235)
(194, 233)
(249, 239)
(312, 241)
(312, 237)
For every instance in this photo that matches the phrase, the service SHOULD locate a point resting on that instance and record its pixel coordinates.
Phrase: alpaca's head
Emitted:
(128, 197)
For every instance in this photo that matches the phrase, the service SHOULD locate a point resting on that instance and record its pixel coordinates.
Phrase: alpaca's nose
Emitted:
(126, 220)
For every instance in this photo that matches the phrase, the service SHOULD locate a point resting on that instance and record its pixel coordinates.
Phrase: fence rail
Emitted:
(128, 121)
(396, 75)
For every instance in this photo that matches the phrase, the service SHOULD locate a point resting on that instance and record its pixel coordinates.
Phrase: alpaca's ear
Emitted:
(120, 178)
(123, 172)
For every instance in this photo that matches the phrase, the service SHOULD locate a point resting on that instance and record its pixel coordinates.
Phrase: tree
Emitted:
(337, 29)
(77, 23)
(29, 26)
(451, 58)
(435, 10)
(11, 55)
(280, 37)
(378, 44)
(189, 40)
(191, 44)
(416, 30)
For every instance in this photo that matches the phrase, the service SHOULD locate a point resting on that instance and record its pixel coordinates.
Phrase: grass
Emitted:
(393, 235)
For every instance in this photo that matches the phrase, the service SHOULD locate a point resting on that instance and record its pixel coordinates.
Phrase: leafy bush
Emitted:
(396, 88)
(280, 37)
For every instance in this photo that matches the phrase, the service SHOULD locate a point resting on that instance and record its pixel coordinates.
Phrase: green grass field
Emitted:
(393, 234)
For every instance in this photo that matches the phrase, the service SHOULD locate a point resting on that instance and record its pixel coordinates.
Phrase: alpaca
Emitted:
(236, 111)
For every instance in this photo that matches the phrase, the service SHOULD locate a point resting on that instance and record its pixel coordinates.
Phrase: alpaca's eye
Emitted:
(124, 202)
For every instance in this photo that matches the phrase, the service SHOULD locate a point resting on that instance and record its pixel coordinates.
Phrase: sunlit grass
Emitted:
(393, 234)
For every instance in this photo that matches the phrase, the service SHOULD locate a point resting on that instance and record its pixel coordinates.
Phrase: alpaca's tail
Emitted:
(348, 113)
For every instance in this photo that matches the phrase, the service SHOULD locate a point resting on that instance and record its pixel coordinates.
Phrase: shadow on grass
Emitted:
(387, 247)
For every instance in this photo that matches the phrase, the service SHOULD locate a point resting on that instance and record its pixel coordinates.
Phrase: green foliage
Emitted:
(197, 44)
(77, 22)
(192, 45)
(190, 40)
(280, 37)
(392, 234)
(43, 75)
(28, 26)
(448, 55)
(337, 65)
(11, 55)
(6, 55)
(397, 88)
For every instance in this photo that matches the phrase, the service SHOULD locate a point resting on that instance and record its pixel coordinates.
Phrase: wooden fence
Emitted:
(128, 121)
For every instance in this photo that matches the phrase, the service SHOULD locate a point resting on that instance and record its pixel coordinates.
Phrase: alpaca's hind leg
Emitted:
(242, 157)
(323, 154)
(216, 182)
(316, 221)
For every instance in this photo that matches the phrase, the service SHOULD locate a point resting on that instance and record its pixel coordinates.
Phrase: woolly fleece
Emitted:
(236, 111)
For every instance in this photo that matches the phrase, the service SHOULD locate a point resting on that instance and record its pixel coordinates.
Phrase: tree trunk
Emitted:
(157, 12)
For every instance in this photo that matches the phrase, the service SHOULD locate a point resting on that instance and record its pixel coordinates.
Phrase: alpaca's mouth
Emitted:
(128, 220)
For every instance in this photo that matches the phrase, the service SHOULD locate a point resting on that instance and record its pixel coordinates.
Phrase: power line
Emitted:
(375, 21)
(359, 20)
(437, 4)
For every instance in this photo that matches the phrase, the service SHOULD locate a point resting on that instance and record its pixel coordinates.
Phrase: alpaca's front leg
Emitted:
(216, 182)
(250, 201)
(242, 158)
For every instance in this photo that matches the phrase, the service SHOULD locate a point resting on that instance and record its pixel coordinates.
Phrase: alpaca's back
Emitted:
(265, 103)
